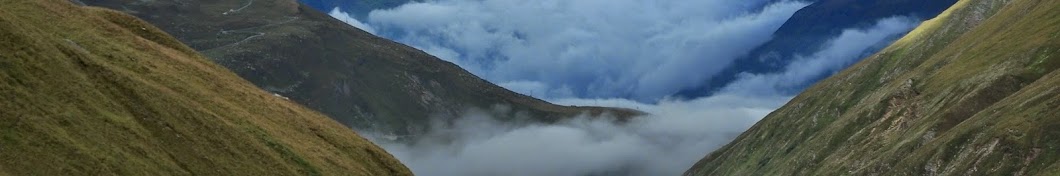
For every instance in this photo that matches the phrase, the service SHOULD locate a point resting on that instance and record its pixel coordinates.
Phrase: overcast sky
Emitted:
(621, 53)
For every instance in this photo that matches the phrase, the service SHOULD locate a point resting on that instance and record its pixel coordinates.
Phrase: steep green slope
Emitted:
(973, 91)
(361, 80)
(89, 91)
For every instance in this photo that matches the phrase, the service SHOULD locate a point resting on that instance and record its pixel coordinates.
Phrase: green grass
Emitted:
(304, 166)
(90, 91)
(983, 71)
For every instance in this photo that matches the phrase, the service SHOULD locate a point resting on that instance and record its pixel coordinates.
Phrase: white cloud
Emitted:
(675, 135)
(640, 49)
(574, 52)
(838, 53)
(346, 17)
(666, 143)
(537, 89)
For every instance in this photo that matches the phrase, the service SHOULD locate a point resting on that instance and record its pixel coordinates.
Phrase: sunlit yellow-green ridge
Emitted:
(974, 91)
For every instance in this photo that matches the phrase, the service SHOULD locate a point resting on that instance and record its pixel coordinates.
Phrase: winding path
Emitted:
(252, 30)
(231, 11)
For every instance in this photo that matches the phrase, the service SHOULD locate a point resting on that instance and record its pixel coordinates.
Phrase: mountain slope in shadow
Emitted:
(361, 80)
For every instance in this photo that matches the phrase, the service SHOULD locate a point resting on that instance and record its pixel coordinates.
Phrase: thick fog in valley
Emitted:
(665, 143)
(617, 53)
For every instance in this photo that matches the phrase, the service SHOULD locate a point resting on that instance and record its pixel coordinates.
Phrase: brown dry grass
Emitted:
(89, 91)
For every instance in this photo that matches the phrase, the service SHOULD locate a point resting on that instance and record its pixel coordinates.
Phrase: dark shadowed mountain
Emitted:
(361, 80)
(91, 91)
(973, 91)
(811, 27)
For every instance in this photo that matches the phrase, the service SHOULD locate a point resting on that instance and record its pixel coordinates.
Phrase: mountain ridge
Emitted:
(91, 91)
(969, 92)
(810, 28)
(363, 81)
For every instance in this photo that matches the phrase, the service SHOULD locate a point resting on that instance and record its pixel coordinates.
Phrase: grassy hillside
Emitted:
(361, 80)
(89, 91)
(971, 92)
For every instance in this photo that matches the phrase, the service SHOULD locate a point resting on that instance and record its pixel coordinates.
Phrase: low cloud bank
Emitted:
(675, 135)
(665, 143)
(636, 50)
